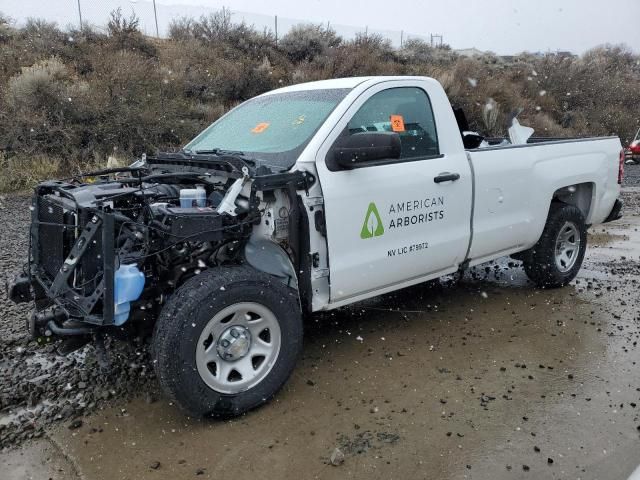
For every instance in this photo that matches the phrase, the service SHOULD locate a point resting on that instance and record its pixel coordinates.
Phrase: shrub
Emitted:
(181, 29)
(238, 40)
(43, 32)
(6, 32)
(216, 26)
(125, 33)
(39, 86)
(307, 41)
(40, 102)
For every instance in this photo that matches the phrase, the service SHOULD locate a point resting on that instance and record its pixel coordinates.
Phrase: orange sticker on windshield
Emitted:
(261, 127)
(397, 123)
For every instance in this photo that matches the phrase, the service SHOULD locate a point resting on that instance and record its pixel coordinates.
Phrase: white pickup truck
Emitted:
(306, 198)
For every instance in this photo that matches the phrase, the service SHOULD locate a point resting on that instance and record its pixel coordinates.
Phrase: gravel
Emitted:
(631, 195)
(38, 387)
(631, 175)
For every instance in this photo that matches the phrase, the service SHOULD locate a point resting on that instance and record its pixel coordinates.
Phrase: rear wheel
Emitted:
(227, 341)
(557, 257)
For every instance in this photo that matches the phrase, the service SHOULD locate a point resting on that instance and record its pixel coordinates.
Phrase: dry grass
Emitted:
(20, 174)
(78, 97)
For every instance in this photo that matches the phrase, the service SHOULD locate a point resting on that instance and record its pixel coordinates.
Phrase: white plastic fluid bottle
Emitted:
(193, 197)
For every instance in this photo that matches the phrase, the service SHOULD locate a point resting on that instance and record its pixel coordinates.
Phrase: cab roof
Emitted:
(348, 82)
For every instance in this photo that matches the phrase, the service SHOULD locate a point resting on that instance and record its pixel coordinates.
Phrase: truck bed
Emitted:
(513, 185)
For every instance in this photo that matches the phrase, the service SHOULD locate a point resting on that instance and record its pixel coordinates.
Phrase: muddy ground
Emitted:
(485, 377)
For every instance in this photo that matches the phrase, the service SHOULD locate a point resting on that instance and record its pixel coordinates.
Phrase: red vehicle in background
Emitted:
(633, 151)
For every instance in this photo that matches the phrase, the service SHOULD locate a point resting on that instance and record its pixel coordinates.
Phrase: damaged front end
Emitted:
(106, 254)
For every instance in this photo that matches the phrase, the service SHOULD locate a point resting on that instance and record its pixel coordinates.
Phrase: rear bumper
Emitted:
(629, 155)
(616, 211)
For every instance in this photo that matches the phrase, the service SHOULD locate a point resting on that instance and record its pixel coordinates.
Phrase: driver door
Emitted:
(390, 224)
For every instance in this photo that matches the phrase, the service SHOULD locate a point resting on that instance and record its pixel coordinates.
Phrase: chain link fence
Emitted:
(155, 17)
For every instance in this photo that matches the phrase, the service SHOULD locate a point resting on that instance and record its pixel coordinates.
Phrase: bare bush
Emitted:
(418, 50)
(125, 33)
(306, 41)
(216, 26)
(6, 32)
(181, 29)
(374, 42)
(119, 25)
(37, 28)
(238, 39)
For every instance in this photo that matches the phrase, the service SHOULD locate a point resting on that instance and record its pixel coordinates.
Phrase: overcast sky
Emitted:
(503, 26)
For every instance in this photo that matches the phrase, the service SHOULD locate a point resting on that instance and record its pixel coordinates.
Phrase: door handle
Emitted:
(446, 177)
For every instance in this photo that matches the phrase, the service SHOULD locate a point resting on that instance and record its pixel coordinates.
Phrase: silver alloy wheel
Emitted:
(238, 347)
(567, 247)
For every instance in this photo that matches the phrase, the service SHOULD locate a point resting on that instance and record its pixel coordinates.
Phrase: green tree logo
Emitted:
(372, 226)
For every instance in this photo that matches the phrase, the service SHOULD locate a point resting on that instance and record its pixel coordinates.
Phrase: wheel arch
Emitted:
(268, 257)
(580, 195)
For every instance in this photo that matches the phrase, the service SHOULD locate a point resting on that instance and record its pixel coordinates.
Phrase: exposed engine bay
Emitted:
(109, 247)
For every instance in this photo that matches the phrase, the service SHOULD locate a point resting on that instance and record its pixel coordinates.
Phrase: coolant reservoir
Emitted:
(129, 282)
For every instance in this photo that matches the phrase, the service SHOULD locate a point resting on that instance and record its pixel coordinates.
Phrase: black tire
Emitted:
(186, 314)
(540, 261)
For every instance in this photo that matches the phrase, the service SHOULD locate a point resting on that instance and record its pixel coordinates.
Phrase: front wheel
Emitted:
(557, 257)
(227, 341)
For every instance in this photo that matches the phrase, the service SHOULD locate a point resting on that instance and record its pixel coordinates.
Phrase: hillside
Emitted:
(70, 99)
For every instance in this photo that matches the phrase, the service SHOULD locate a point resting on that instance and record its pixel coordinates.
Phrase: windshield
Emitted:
(275, 128)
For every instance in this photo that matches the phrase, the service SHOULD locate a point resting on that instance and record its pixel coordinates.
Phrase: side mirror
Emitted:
(471, 140)
(359, 149)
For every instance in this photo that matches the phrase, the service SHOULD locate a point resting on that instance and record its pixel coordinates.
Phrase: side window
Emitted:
(404, 110)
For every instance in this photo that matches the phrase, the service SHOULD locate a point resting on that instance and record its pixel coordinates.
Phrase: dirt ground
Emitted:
(486, 377)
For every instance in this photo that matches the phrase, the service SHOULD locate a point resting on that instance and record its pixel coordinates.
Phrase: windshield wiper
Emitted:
(219, 151)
